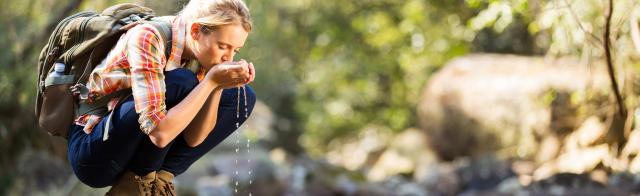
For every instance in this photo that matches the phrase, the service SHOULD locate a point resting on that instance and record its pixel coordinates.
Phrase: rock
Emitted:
(571, 184)
(405, 152)
(391, 162)
(632, 147)
(485, 173)
(395, 185)
(441, 179)
(566, 180)
(373, 190)
(346, 186)
(355, 153)
(591, 131)
(546, 170)
(411, 189)
(549, 148)
(582, 160)
(599, 175)
(314, 177)
(523, 167)
(625, 181)
(403, 187)
(634, 165)
(488, 103)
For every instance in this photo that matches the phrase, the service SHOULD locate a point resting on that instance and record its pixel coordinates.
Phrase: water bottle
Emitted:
(58, 70)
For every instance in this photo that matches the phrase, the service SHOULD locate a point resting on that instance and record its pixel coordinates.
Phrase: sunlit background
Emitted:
(384, 97)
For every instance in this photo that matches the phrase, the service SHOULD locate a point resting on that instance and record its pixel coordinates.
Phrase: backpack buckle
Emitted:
(81, 91)
(130, 19)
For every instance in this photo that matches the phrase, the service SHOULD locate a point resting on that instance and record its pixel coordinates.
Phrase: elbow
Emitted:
(193, 142)
(159, 139)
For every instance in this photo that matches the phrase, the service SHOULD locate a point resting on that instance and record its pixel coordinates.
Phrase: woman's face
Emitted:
(219, 45)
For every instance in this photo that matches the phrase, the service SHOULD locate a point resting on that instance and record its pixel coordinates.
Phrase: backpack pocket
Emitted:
(57, 112)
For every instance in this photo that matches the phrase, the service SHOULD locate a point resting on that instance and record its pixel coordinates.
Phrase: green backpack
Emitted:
(81, 42)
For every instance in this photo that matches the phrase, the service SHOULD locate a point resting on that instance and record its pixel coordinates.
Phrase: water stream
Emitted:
(248, 144)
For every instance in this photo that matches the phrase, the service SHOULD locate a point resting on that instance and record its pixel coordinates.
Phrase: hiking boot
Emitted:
(132, 184)
(164, 183)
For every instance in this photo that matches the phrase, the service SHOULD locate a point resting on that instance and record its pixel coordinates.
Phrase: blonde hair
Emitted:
(213, 13)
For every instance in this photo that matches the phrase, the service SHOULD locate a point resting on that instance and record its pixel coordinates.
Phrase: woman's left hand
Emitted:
(252, 72)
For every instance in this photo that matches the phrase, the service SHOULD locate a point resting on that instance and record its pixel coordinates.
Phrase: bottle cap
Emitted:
(58, 67)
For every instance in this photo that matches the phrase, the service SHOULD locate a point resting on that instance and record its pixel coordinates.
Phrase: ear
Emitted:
(195, 31)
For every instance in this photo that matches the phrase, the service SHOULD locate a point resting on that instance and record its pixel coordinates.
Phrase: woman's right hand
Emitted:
(230, 74)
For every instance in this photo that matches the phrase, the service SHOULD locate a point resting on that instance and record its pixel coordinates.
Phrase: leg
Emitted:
(99, 163)
(181, 156)
(148, 157)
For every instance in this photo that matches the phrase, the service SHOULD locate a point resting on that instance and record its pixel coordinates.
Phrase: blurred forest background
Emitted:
(386, 97)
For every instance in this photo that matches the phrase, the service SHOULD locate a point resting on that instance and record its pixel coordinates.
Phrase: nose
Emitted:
(228, 56)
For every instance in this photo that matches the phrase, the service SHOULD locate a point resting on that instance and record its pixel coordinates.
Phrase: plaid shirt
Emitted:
(138, 62)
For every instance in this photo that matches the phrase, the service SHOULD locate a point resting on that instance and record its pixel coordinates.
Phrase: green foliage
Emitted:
(349, 64)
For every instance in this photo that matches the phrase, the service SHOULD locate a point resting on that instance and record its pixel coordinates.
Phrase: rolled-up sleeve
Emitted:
(147, 77)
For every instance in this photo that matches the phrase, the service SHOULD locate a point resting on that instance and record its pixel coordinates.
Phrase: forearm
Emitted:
(179, 117)
(204, 121)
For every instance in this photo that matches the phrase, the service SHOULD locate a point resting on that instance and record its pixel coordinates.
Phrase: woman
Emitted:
(174, 116)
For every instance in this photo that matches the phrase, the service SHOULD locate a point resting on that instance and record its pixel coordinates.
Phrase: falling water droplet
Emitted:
(238, 107)
(237, 138)
(246, 115)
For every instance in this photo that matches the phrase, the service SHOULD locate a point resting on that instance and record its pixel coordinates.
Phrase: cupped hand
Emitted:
(231, 74)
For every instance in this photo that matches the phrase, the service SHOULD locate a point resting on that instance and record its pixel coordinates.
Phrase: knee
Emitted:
(182, 78)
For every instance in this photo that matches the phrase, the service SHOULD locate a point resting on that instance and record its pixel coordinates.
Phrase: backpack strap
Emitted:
(99, 106)
(164, 28)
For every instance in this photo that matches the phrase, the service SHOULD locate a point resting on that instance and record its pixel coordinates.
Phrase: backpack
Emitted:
(81, 42)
